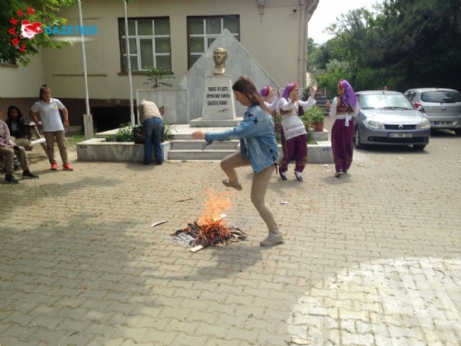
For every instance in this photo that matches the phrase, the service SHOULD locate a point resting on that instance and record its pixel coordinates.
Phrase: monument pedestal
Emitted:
(218, 108)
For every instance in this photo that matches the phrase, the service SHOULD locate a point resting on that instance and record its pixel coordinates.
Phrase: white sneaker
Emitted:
(272, 239)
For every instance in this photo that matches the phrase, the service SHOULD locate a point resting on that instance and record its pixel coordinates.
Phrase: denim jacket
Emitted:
(257, 138)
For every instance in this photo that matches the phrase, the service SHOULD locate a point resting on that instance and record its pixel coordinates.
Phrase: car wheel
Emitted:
(458, 132)
(357, 143)
(419, 147)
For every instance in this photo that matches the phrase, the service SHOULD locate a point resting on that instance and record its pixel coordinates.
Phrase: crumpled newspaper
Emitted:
(183, 239)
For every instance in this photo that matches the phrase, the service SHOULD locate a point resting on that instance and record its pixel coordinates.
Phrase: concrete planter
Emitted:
(97, 149)
(316, 153)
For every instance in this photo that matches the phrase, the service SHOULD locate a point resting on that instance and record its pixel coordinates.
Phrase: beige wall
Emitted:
(20, 85)
(22, 81)
(271, 38)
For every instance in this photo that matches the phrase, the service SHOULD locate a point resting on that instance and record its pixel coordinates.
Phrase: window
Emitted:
(202, 31)
(9, 61)
(410, 95)
(150, 43)
(441, 96)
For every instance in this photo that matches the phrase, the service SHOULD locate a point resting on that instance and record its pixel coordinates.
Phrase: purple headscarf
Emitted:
(265, 91)
(349, 98)
(288, 88)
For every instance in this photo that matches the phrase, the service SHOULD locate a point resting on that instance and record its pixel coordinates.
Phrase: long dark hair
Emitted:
(10, 118)
(43, 87)
(245, 85)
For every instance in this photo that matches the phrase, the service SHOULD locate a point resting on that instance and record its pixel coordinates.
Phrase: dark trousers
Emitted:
(294, 149)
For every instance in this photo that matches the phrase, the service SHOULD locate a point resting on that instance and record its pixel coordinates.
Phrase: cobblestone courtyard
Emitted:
(369, 259)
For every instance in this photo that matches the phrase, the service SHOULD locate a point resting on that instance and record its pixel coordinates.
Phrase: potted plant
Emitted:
(307, 121)
(316, 115)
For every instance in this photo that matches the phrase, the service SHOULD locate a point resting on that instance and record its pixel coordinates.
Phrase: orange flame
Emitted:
(215, 206)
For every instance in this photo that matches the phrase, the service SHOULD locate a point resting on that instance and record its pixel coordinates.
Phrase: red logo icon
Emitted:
(29, 30)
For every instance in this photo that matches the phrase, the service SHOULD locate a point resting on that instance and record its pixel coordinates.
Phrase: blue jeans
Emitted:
(152, 128)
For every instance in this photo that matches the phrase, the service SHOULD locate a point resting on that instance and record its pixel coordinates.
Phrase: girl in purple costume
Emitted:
(294, 135)
(267, 94)
(343, 110)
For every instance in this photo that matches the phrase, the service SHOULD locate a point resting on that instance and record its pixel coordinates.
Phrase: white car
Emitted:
(442, 106)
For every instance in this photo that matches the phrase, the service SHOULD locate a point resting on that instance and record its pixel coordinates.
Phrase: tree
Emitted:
(335, 71)
(155, 75)
(13, 12)
(402, 44)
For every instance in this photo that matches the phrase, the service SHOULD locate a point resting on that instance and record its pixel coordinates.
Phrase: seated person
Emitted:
(7, 150)
(18, 126)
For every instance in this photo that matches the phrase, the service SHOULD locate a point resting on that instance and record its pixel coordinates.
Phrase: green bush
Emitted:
(167, 131)
(110, 138)
(125, 133)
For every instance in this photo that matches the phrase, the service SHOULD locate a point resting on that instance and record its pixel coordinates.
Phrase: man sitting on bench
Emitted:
(7, 150)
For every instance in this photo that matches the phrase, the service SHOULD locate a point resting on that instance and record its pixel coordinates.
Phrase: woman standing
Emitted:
(343, 110)
(18, 126)
(267, 94)
(258, 148)
(52, 125)
(294, 135)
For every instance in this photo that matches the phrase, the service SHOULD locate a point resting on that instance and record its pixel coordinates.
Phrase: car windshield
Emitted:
(441, 96)
(385, 101)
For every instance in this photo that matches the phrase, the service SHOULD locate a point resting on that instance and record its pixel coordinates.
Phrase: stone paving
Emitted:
(372, 258)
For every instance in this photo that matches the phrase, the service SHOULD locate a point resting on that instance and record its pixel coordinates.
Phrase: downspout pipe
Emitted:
(303, 58)
(88, 131)
(130, 78)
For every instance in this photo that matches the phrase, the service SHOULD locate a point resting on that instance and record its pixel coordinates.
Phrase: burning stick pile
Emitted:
(211, 228)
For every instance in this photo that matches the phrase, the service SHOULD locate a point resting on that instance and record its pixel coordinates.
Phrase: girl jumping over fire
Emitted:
(258, 148)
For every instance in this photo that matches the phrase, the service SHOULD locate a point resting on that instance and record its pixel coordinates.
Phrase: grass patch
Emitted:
(73, 140)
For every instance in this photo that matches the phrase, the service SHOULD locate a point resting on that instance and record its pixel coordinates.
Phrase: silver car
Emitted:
(442, 106)
(389, 118)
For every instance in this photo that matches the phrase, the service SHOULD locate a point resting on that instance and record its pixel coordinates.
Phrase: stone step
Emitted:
(187, 136)
(207, 154)
(97, 149)
(198, 144)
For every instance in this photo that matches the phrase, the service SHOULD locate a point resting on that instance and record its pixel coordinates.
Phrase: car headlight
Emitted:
(373, 124)
(424, 124)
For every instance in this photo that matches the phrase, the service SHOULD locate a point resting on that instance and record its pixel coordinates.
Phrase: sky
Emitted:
(326, 13)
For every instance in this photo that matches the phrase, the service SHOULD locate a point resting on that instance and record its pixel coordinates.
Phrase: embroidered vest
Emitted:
(342, 108)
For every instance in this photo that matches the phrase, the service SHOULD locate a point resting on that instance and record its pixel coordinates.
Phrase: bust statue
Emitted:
(219, 57)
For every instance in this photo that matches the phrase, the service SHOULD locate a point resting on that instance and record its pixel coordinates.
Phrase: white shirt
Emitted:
(273, 106)
(291, 123)
(49, 114)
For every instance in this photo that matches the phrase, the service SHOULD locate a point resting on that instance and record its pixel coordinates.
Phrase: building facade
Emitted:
(170, 34)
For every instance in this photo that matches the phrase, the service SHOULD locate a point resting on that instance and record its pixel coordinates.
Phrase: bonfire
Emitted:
(212, 227)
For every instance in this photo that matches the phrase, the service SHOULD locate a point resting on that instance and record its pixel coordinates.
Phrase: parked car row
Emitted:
(394, 118)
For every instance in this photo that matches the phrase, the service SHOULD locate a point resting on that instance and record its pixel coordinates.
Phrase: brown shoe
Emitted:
(238, 187)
